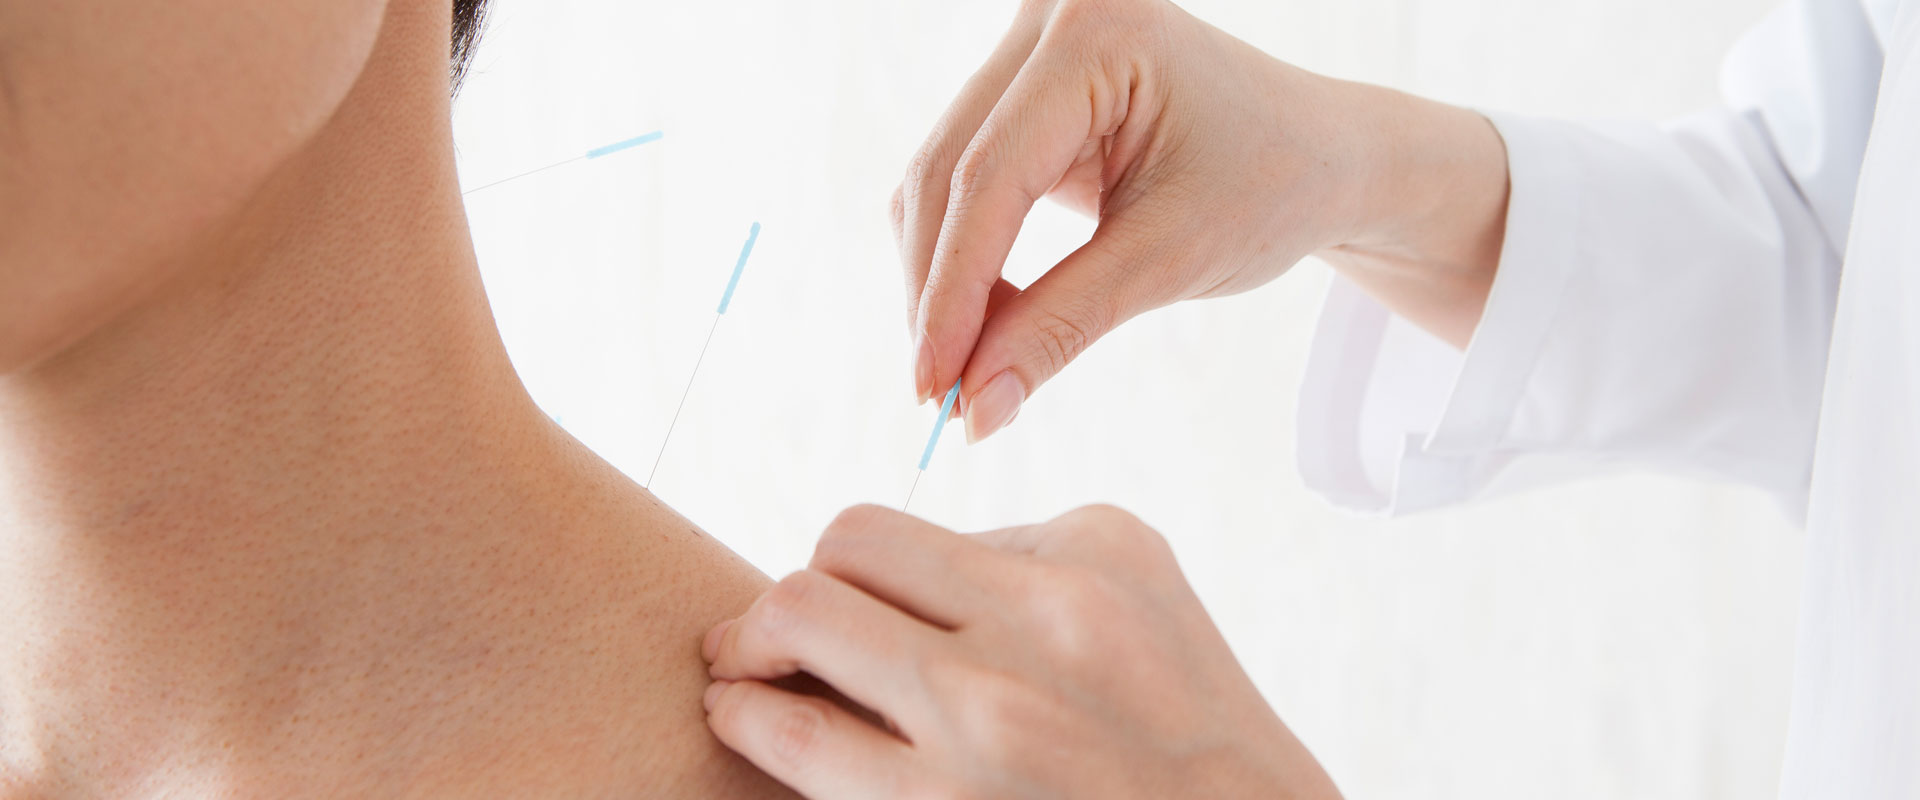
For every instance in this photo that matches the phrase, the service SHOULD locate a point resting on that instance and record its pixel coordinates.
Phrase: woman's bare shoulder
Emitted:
(613, 703)
(592, 678)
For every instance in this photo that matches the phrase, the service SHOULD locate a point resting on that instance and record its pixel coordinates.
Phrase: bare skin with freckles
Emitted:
(277, 519)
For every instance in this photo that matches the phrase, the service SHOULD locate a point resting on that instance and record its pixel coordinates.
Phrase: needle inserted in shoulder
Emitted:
(603, 150)
(726, 299)
(926, 456)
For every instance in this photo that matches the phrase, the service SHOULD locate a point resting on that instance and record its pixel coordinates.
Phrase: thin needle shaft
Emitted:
(916, 487)
(939, 424)
(726, 299)
(683, 400)
(523, 174)
(598, 152)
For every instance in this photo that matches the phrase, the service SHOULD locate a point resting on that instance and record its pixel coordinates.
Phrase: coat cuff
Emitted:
(1392, 420)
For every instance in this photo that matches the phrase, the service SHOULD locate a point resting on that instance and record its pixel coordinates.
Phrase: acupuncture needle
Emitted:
(598, 152)
(753, 235)
(926, 456)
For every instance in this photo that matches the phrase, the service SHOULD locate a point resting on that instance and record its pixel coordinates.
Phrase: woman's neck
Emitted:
(284, 470)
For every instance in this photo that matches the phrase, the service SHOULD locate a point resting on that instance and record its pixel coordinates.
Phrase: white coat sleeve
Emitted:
(1664, 298)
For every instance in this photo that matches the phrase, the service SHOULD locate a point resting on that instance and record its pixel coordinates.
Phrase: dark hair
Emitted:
(469, 17)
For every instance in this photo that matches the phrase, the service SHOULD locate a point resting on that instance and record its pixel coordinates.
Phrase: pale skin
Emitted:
(1070, 659)
(276, 517)
(1066, 659)
(1212, 168)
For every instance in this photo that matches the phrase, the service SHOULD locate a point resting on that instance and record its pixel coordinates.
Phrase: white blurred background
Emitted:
(1622, 638)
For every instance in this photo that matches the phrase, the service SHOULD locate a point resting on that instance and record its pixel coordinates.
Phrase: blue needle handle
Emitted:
(610, 149)
(739, 267)
(946, 410)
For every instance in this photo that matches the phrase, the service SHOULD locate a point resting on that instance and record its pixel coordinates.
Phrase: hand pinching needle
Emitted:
(946, 410)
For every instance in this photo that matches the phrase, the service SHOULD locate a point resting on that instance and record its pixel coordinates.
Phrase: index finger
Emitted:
(932, 573)
(1026, 145)
(815, 623)
(920, 203)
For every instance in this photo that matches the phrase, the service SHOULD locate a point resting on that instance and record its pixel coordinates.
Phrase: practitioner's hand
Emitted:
(1212, 169)
(1068, 659)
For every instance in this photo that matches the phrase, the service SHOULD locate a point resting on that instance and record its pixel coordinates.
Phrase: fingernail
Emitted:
(994, 406)
(710, 647)
(712, 696)
(923, 370)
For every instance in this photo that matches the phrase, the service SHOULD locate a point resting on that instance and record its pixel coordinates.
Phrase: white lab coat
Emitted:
(1735, 294)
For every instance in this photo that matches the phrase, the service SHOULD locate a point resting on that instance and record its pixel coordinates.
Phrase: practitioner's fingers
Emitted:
(920, 202)
(1033, 335)
(814, 622)
(1019, 539)
(1025, 146)
(808, 743)
(926, 570)
(1100, 536)
(1101, 677)
(998, 296)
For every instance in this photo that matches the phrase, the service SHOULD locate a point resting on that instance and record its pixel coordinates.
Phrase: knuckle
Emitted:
(842, 549)
(783, 607)
(897, 211)
(1107, 515)
(924, 170)
(1108, 526)
(971, 171)
(1085, 14)
(856, 522)
(728, 709)
(1120, 540)
(796, 735)
(1063, 336)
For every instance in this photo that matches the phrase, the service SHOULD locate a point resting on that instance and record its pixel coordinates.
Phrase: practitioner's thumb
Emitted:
(1035, 334)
